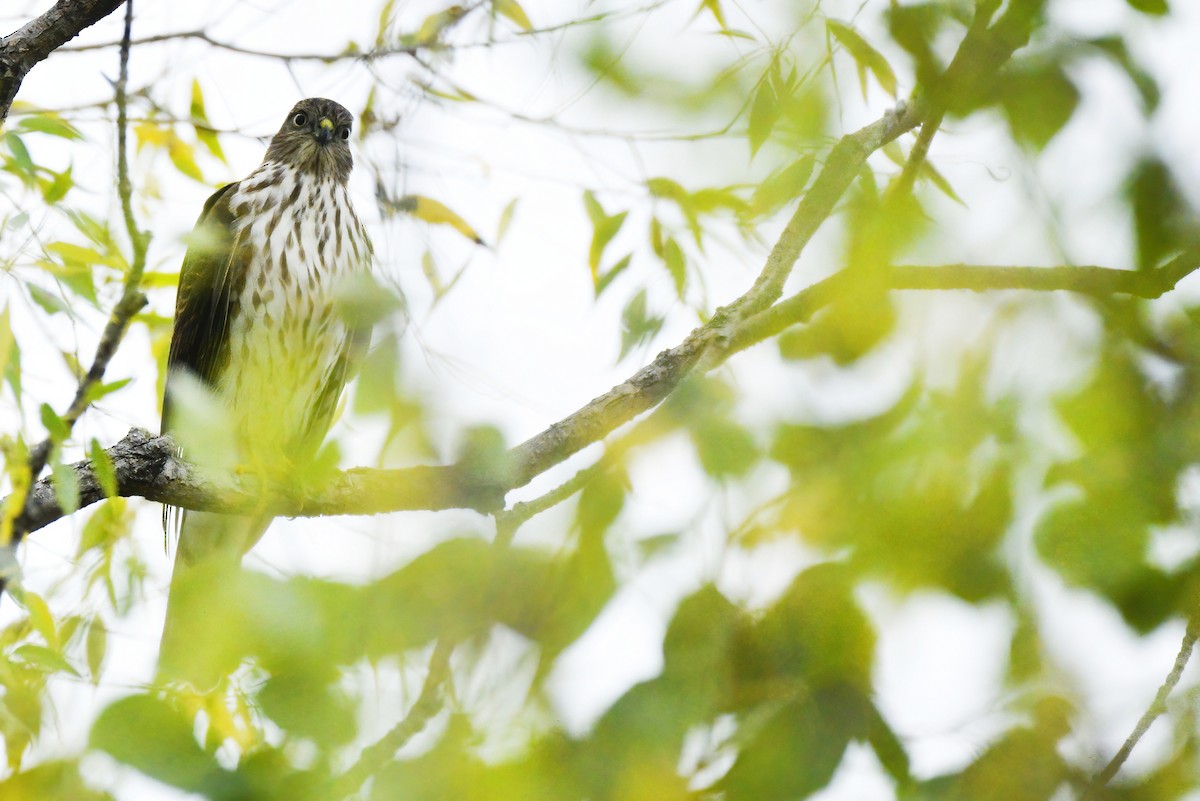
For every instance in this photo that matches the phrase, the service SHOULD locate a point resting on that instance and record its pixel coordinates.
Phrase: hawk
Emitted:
(257, 321)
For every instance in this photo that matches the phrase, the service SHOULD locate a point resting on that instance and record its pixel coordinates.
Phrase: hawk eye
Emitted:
(345, 134)
(300, 119)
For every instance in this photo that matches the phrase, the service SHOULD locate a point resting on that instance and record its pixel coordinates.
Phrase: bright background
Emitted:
(520, 341)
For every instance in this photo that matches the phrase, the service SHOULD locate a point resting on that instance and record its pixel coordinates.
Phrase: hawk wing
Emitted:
(200, 340)
(203, 306)
(320, 416)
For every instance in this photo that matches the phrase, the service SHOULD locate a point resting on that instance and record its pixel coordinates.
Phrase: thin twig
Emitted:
(428, 704)
(131, 300)
(1157, 707)
(917, 157)
(203, 36)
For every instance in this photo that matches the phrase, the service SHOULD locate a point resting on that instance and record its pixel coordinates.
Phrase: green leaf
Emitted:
(97, 391)
(764, 112)
(724, 447)
(48, 302)
(112, 521)
(604, 228)
(676, 265)
(782, 186)
(20, 153)
(66, 485)
(606, 277)
(1038, 100)
(306, 707)
(56, 188)
(183, 156)
(866, 56)
(637, 325)
(150, 735)
(71, 253)
(376, 385)
(513, 11)
(438, 213)
(1155, 8)
(713, 7)
(601, 500)
(506, 218)
(204, 133)
(96, 648)
(102, 468)
(44, 659)
(1161, 222)
(49, 123)
(929, 172)
(57, 779)
(55, 426)
(9, 352)
(42, 619)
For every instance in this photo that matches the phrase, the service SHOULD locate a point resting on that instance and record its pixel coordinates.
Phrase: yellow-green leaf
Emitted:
(49, 123)
(150, 134)
(66, 485)
(42, 619)
(42, 658)
(433, 25)
(438, 213)
(204, 133)
(764, 112)
(676, 264)
(713, 7)
(97, 647)
(7, 341)
(102, 468)
(512, 9)
(866, 56)
(183, 156)
(506, 217)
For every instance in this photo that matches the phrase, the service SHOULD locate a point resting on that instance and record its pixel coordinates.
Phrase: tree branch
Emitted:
(840, 170)
(146, 466)
(1157, 707)
(22, 50)
(428, 704)
(203, 36)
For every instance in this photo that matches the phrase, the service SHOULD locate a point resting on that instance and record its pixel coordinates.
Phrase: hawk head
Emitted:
(315, 138)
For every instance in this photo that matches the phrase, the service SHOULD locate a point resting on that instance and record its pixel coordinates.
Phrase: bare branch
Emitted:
(428, 704)
(203, 36)
(37, 39)
(1157, 707)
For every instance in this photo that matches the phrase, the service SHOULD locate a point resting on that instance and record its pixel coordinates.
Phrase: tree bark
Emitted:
(22, 50)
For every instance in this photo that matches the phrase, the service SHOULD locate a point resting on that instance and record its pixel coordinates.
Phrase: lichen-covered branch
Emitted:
(21, 50)
(146, 466)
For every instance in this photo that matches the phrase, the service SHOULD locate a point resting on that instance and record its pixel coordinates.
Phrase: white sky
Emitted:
(520, 343)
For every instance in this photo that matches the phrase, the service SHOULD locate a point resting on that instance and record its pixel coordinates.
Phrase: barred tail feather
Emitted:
(207, 559)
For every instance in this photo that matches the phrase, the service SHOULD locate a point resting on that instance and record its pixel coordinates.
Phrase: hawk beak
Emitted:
(325, 130)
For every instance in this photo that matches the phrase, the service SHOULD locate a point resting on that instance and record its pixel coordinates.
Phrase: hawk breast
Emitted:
(296, 239)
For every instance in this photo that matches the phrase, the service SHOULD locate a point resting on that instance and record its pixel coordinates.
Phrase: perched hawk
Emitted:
(256, 319)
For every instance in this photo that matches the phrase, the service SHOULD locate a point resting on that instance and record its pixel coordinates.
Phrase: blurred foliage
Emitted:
(953, 485)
